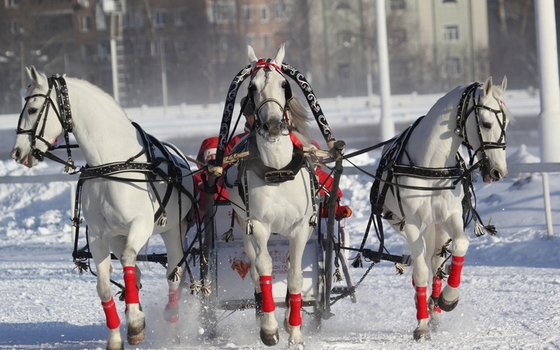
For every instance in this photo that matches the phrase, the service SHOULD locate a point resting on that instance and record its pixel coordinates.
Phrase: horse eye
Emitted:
(487, 125)
(31, 110)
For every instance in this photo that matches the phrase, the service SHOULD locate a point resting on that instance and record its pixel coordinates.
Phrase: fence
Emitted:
(516, 168)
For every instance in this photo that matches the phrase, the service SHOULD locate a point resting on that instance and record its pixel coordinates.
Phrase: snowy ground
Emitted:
(510, 287)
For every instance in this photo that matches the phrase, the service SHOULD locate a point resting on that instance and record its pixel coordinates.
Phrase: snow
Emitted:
(510, 287)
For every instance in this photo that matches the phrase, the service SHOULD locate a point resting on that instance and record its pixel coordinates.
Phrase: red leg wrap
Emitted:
(454, 279)
(267, 298)
(436, 287)
(421, 303)
(111, 314)
(130, 288)
(173, 298)
(295, 309)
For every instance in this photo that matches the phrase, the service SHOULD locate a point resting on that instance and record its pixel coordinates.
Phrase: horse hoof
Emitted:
(136, 338)
(171, 314)
(446, 305)
(135, 334)
(296, 345)
(270, 339)
(422, 334)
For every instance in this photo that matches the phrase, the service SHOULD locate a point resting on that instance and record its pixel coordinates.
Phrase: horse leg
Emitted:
(102, 258)
(295, 285)
(172, 240)
(139, 232)
(251, 254)
(263, 264)
(420, 276)
(449, 297)
(436, 260)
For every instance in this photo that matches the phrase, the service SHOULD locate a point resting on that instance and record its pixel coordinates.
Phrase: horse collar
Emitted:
(269, 174)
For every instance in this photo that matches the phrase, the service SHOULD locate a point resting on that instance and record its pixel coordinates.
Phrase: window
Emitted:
(159, 17)
(11, 4)
(88, 51)
(85, 23)
(344, 71)
(265, 41)
(248, 13)
(282, 10)
(133, 19)
(343, 6)
(451, 33)
(222, 11)
(398, 5)
(104, 49)
(265, 17)
(452, 67)
(16, 27)
(250, 39)
(181, 17)
(345, 38)
(397, 37)
(54, 24)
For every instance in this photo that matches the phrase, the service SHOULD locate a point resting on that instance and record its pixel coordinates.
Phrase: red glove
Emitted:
(342, 212)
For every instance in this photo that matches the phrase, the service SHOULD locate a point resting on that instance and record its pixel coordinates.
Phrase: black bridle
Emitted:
(270, 66)
(464, 111)
(64, 115)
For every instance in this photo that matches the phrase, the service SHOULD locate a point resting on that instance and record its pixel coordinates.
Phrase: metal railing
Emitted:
(515, 168)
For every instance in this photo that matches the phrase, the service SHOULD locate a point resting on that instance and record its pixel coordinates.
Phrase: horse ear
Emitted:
(251, 55)
(35, 76)
(280, 55)
(504, 84)
(487, 86)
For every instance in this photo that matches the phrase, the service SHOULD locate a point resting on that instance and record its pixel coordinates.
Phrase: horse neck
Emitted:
(276, 154)
(101, 127)
(433, 143)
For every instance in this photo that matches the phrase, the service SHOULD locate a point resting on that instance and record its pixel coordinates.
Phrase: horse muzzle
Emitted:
(493, 174)
(28, 160)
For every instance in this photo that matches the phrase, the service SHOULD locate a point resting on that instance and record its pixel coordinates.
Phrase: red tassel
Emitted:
(111, 314)
(295, 309)
(454, 279)
(421, 303)
(267, 297)
(130, 288)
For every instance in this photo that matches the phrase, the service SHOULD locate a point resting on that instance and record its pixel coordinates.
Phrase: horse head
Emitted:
(270, 92)
(484, 129)
(40, 121)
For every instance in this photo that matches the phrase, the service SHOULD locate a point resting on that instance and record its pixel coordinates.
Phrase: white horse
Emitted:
(419, 197)
(121, 193)
(279, 192)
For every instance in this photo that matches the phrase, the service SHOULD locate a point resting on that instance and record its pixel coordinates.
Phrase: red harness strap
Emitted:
(261, 63)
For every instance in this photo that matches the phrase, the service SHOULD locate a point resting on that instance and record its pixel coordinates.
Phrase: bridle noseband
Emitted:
(464, 111)
(63, 112)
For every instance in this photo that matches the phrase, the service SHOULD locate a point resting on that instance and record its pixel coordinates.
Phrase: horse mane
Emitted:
(299, 119)
(100, 91)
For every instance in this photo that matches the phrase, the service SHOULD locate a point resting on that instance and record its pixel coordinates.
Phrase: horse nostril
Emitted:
(16, 153)
(496, 175)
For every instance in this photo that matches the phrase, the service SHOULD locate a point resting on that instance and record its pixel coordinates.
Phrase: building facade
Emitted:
(168, 52)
